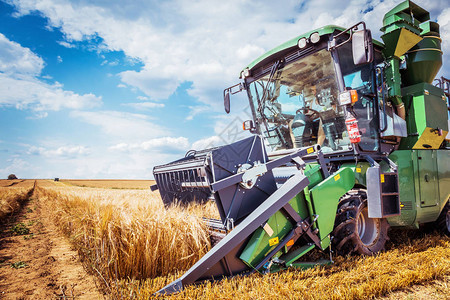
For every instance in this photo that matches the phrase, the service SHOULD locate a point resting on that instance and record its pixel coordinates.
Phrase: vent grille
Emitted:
(407, 205)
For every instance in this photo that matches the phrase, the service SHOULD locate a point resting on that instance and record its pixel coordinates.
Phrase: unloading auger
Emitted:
(358, 141)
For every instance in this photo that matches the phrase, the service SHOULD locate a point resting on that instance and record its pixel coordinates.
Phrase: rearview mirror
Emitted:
(231, 90)
(226, 101)
(362, 47)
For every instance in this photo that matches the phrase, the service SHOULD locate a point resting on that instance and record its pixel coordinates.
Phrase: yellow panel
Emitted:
(430, 139)
(274, 241)
(406, 41)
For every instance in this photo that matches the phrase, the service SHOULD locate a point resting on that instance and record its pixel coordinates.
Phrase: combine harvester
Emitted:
(358, 139)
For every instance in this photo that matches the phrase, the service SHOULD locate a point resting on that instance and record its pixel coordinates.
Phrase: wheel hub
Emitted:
(367, 228)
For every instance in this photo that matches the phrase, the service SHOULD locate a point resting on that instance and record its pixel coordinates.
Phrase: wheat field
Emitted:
(12, 194)
(111, 184)
(136, 246)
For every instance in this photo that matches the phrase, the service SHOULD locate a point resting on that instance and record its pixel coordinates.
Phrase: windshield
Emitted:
(296, 105)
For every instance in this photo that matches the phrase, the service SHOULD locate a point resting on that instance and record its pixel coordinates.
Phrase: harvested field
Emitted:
(111, 184)
(136, 247)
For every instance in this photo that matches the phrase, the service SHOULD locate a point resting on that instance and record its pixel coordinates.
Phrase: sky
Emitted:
(109, 89)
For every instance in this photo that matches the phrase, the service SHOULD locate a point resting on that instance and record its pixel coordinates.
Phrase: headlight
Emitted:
(302, 43)
(314, 37)
(245, 73)
(348, 97)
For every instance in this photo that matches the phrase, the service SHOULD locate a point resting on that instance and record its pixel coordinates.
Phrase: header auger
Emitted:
(350, 138)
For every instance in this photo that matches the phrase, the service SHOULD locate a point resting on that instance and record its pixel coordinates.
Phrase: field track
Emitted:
(46, 265)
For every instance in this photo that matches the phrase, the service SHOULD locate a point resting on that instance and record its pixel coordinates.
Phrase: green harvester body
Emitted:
(343, 168)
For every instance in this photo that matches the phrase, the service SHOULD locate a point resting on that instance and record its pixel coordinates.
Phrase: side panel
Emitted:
(424, 184)
(326, 195)
(428, 179)
(428, 208)
(443, 165)
(425, 106)
(407, 188)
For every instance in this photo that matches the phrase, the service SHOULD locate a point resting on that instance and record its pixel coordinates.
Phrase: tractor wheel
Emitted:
(443, 222)
(354, 231)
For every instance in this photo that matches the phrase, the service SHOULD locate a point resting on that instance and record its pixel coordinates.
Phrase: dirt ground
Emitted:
(40, 264)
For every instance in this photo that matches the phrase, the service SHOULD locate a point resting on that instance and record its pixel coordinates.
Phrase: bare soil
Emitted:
(40, 264)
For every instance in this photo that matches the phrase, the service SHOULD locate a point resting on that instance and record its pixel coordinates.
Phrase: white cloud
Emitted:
(203, 42)
(249, 52)
(145, 105)
(155, 145)
(59, 59)
(21, 88)
(66, 44)
(195, 110)
(39, 115)
(64, 151)
(209, 142)
(110, 63)
(18, 61)
(16, 166)
(122, 125)
(127, 164)
(113, 63)
(31, 93)
(155, 85)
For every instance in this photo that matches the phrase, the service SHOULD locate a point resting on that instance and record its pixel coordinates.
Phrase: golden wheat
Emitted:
(354, 277)
(137, 247)
(12, 197)
(111, 184)
(128, 234)
(7, 182)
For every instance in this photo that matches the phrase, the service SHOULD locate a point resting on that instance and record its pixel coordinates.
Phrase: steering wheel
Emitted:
(305, 110)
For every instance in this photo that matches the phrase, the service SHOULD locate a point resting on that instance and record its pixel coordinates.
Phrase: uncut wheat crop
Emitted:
(127, 233)
(12, 195)
(136, 247)
(111, 184)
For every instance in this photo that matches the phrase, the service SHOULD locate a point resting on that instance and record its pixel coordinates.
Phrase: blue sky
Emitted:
(109, 89)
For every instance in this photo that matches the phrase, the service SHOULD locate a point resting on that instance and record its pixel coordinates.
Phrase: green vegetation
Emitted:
(28, 237)
(19, 265)
(20, 229)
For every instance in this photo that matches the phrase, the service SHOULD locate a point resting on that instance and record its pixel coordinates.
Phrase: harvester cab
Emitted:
(349, 139)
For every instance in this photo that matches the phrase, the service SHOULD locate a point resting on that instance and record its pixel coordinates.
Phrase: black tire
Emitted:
(443, 222)
(354, 231)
